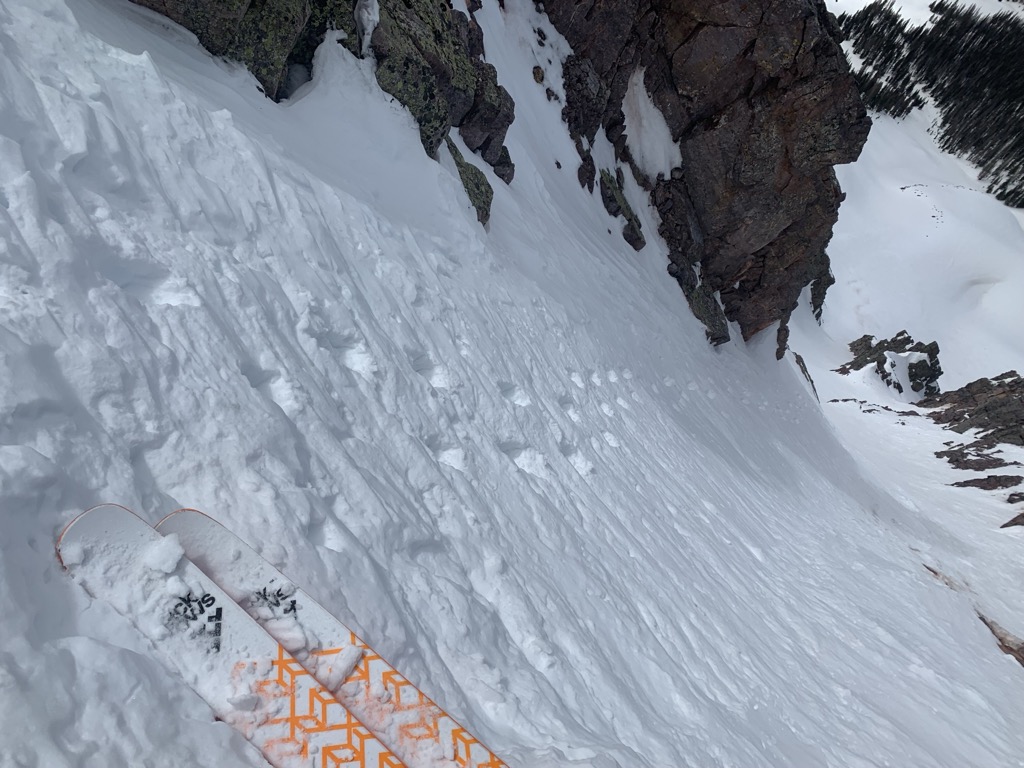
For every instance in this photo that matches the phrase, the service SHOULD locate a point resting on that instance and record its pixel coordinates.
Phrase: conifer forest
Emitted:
(968, 63)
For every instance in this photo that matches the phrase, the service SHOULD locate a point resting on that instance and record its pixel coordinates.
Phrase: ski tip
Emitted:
(183, 511)
(71, 523)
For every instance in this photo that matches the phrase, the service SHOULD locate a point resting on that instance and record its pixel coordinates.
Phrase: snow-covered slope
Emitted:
(920, 246)
(507, 458)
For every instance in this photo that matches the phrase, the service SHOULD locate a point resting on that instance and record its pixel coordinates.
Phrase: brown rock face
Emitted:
(991, 482)
(991, 413)
(761, 100)
(991, 409)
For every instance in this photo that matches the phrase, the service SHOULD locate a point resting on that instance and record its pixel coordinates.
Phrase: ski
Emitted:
(248, 679)
(402, 716)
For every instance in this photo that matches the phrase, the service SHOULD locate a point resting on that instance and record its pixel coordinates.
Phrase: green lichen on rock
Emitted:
(266, 36)
(616, 204)
(428, 57)
(702, 301)
(708, 310)
(421, 62)
(474, 182)
(214, 24)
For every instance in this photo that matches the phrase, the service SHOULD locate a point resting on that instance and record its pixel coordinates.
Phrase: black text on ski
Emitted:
(190, 609)
(274, 599)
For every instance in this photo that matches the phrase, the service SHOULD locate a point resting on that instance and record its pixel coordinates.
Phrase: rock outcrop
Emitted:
(425, 60)
(259, 34)
(757, 94)
(1009, 644)
(474, 182)
(429, 57)
(994, 407)
(992, 411)
(615, 203)
(761, 101)
(989, 412)
(265, 37)
(990, 482)
(215, 24)
(900, 362)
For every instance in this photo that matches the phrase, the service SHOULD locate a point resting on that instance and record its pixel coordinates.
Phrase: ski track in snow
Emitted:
(508, 459)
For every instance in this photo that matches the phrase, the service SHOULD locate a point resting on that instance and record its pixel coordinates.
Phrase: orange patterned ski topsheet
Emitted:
(402, 716)
(313, 727)
(199, 631)
(419, 719)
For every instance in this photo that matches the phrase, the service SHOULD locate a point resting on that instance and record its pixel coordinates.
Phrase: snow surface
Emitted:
(920, 246)
(508, 459)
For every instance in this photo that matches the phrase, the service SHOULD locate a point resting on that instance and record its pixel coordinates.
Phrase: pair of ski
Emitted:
(270, 661)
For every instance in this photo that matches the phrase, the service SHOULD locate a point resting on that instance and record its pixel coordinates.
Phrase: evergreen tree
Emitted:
(969, 63)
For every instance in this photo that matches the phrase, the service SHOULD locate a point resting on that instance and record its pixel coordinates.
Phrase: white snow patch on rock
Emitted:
(647, 134)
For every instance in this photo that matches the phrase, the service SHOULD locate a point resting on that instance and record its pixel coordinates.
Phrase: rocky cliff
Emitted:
(760, 98)
(757, 95)
(429, 57)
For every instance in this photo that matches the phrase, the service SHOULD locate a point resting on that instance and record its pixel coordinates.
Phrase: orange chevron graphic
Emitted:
(363, 672)
(405, 698)
(373, 690)
(307, 710)
(311, 716)
(463, 745)
(406, 695)
(333, 757)
(426, 728)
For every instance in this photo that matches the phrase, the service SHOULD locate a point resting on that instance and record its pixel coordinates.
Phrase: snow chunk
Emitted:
(333, 670)
(288, 633)
(164, 555)
(72, 554)
(647, 134)
(247, 702)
